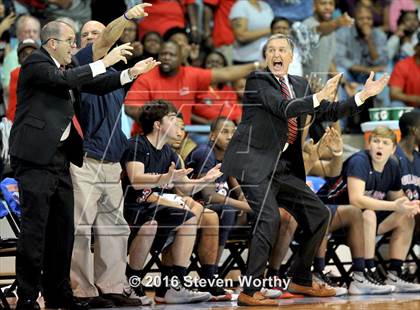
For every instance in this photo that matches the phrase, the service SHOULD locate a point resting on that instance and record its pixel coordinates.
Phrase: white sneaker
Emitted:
(373, 276)
(271, 293)
(401, 286)
(182, 295)
(323, 278)
(362, 285)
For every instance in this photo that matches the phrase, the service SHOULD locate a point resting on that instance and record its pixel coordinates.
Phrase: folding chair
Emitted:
(381, 261)
(9, 209)
(237, 243)
(154, 259)
(337, 239)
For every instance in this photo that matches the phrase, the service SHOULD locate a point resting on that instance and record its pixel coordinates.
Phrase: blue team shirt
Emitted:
(359, 165)
(410, 173)
(100, 118)
(155, 162)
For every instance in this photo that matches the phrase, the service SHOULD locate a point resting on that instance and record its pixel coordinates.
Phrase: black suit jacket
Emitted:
(44, 107)
(259, 139)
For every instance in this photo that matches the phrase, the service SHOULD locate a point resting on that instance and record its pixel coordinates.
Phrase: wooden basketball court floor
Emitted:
(379, 302)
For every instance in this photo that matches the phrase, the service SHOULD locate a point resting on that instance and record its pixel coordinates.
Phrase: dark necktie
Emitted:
(75, 121)
(292, 132)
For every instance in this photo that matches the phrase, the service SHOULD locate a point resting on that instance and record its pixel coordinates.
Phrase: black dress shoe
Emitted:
(27, 304)
(70, 303)
(119, 300)
(96, 302)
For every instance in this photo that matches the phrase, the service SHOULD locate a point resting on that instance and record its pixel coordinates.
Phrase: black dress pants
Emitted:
(283, 190)
(47, 228)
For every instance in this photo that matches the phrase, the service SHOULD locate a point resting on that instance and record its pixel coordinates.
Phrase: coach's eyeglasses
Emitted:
(70, 42)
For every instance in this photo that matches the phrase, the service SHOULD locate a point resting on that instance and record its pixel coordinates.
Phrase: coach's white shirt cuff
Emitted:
(97, 67)
(359, 102)
(315, 100)
(125, 77)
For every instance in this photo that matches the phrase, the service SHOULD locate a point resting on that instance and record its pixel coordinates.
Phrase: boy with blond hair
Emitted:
(371, 181)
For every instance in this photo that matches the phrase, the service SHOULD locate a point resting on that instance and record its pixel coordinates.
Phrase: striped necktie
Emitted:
(292, 132)
(75, 121)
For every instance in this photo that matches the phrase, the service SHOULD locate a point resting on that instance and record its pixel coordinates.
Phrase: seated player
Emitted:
(408, 158)
(407, 154)
(226, 219)
(371, 181)
(183, 145)
(153, 210)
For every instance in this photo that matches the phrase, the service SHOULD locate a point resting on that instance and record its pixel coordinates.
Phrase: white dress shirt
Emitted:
(314, 98)
(97, 68)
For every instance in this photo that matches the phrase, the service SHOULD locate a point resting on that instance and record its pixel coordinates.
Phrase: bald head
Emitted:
(90, 32)
(53, 30)
(58, 38)
(27, 27)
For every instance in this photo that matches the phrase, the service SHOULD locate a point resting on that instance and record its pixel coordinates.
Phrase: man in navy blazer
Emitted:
(43, 141)
(265, 155)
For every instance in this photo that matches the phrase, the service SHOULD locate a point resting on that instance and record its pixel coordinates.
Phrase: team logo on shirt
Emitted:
(375, 194)
(143, 198)
(208, 101)
(184, 91)
(412, 194)
(413, 182)
(222, 188)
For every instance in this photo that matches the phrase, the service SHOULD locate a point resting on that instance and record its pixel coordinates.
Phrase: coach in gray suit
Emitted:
(265, 155)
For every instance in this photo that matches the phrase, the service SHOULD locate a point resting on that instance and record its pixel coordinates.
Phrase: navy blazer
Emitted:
(44, 107)
(258, 142)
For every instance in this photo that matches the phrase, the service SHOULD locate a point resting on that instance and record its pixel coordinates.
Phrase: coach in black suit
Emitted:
(265, 155)
(43, 141)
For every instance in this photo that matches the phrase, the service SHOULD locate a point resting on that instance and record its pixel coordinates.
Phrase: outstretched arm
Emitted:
(331, 111)
(114, 30)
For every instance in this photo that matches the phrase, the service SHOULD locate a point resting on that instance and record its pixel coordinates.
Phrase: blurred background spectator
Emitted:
(251, 26)
(27, 27)
(295, 10)
(25, 48)
(217, 32)
(151, 44)
(405, 80)
(378, 8)
(401, 44)
(350, 36)
(361, 48)
(220, 100)
(321, 61)
(168, 14)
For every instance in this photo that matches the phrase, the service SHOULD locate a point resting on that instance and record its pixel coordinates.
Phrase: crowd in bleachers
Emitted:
(147, 185)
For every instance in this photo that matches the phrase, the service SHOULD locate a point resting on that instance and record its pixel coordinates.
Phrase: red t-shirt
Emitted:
(218, 102)
(406, 75)
(11, 106)
(222, 31)
(163, 15)
(181, 89)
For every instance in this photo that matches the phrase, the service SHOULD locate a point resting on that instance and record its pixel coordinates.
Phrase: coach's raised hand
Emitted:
(329, 91)
(143, 66)
(137, 11)
(372, 88)
(117, 54)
